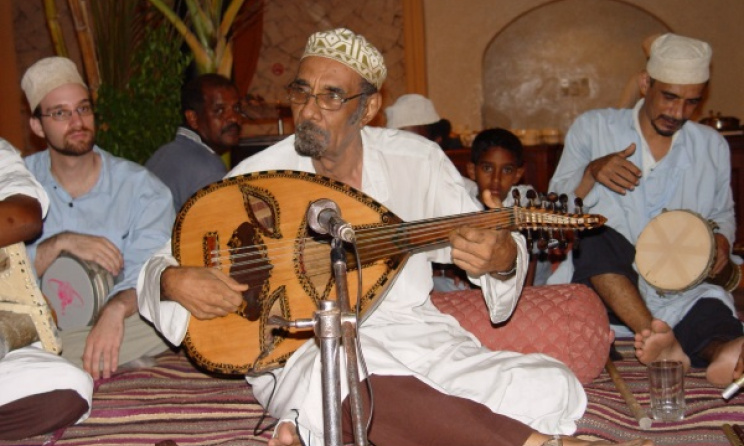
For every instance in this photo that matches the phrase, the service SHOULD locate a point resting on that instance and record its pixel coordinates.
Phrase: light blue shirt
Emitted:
(694, 175)
(128, 205)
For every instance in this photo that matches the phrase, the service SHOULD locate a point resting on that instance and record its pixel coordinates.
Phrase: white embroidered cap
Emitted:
(350, 49)
(46, 75)
(409, 110)
(679, 60)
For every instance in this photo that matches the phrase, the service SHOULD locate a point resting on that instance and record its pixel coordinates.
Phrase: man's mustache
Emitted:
(309, 127)
(230, 128)
(671, 120)
(81, 129)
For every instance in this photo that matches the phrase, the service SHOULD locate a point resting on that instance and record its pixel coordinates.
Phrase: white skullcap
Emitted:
(679, 60)
(350, 49)
(46, 75)
(410, 110)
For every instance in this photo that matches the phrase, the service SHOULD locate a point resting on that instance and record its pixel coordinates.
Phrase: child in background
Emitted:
(497, 164)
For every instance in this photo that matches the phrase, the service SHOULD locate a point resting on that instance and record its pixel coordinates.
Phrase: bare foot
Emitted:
(725, 366)
(285, 435)
(659, 343)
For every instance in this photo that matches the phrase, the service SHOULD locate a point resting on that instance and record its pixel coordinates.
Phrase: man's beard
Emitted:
(311, 140)
(663, 132)
(77, 148)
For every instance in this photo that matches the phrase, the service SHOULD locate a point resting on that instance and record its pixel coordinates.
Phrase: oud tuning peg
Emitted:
(532, 198)
(552, 205)
(517, 197)
(542, 243)
(542, 201)
(530, 241)
(563, 199)
(579, 203)
(552, 200)
(553, 244)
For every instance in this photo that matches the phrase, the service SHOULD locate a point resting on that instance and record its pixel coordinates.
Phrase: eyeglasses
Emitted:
(326, 101)
(65, 115)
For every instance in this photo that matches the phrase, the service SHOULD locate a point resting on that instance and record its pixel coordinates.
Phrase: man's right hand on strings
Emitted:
(206, 292)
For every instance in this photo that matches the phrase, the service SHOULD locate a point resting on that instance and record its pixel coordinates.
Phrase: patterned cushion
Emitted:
(567, 322)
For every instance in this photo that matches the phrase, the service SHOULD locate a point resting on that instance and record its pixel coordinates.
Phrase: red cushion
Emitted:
(567, 322)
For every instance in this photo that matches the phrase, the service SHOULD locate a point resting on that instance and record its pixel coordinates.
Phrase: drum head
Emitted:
(75, 291)
(675, 251)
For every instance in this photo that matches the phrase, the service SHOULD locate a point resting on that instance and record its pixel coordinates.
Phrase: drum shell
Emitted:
(676, 251)
(16, 331)
(76, 289)
(729, 278)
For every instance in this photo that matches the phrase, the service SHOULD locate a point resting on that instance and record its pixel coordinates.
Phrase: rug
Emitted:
(609, 417)
(172, 401)
(175, 401)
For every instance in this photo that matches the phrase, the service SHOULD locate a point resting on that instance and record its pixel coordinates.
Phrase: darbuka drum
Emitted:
(25, 316)
(676, 252)
(76, 289)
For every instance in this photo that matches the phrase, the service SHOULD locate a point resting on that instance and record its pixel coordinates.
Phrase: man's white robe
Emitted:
(406, 334)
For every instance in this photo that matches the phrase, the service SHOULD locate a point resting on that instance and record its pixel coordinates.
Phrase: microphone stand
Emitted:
(333, 324)
(348, 334)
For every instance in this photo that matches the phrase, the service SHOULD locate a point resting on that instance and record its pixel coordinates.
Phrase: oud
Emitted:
(254, 228)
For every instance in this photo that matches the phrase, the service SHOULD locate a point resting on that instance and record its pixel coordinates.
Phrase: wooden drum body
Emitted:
(25, 316)
(76, 290)
(676, 251)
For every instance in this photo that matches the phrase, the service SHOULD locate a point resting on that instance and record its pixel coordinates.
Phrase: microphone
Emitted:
(733, 388)
(324, 217)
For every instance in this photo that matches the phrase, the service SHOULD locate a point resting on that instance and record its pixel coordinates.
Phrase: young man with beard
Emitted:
(39, 391)
(212, 119)
(631, 164)
(433, 383)
(103, 209)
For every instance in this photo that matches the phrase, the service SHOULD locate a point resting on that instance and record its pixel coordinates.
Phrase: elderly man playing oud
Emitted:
(632, 164)
(433, 383)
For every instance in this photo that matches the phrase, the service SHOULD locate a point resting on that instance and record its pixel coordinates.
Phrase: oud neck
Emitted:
(423, 235)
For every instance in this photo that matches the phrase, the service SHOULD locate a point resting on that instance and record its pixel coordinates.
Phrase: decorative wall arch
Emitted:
(562, 58)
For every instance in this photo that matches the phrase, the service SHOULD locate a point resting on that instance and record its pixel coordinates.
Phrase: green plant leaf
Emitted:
(135, 120)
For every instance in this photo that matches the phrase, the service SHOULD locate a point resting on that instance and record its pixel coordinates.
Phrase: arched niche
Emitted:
(563, 58)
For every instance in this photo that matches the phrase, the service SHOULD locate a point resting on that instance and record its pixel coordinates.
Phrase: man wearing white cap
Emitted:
(629, 165)
(433, 383)
(39, 391)
(412, 112)
(103, 209)
(416, 113)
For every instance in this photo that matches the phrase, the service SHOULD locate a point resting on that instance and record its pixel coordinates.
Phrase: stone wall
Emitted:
(455, 58)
